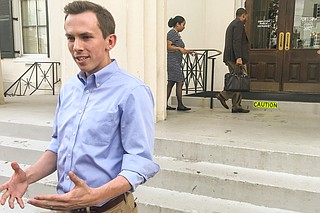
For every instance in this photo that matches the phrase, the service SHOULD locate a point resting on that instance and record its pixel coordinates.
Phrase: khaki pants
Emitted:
(126, 206)
(235, 96)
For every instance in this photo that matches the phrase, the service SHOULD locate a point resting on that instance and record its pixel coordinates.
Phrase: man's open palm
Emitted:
(15, 187)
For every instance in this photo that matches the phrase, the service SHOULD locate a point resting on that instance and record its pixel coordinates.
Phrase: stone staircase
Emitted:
(203, 185)
(262, 162)
(190, 185)
(25, 151)
(204, 172)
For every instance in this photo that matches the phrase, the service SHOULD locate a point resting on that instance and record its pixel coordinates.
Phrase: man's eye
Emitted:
(86, 37)
(70, 38)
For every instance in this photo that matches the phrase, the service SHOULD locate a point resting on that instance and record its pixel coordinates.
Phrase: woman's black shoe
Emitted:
(183, 109)
(171, 108)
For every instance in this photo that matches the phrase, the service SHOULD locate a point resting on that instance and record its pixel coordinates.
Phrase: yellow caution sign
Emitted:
(265, 104)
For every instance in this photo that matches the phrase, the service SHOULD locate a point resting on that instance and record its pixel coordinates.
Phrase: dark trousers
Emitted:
(235, 96)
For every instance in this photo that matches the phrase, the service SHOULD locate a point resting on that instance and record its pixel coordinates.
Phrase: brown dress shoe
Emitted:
(240, 110)
(222, 101)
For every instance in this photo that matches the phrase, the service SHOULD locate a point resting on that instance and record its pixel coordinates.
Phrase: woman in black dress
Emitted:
(175, 49)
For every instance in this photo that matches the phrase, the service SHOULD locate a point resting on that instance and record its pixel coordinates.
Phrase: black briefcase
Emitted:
(236, 82)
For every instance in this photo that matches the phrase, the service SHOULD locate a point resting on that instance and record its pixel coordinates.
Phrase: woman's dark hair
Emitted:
(105, 20)
(173, 21)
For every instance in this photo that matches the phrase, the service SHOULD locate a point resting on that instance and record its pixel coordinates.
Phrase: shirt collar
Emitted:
(101, 76)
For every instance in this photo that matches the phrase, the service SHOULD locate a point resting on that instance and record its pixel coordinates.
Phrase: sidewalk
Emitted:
(265, 129)
(270, 129)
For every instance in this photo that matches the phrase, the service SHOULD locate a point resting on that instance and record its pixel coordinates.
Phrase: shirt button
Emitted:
(74, 134)
(69, 156)
(87, 91)
(80, 111)
(98, 85)
(68, 178)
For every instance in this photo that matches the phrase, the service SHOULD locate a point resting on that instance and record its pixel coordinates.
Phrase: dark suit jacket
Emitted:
(236, 42)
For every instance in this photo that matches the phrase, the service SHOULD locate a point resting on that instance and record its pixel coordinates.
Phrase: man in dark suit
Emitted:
(236, 53)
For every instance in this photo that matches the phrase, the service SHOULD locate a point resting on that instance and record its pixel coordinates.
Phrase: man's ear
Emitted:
(110, 41)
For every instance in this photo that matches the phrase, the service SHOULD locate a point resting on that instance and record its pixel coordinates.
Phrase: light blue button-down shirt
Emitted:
(104, 127)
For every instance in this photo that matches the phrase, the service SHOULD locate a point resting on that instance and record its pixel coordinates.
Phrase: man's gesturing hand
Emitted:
(80, 196)
(15, 187)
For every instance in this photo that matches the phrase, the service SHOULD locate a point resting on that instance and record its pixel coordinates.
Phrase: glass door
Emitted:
(282, 33)
(306, 25)
(301, 66)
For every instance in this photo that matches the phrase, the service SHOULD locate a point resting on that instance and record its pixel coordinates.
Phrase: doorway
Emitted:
(284, 38)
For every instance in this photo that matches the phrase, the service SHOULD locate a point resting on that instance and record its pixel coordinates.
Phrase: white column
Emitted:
(161, 77)
(146, 48)
(1, 84)
(135, 37)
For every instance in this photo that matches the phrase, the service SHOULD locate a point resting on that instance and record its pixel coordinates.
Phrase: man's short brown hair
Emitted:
(105, 19)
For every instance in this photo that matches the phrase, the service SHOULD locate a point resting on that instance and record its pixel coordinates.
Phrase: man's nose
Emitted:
(77, 45)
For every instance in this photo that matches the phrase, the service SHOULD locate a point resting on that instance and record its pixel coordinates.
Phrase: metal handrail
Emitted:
(33, 79)
(195, 68)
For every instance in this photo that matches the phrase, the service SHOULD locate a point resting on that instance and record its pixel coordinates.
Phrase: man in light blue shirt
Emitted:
(103, 135)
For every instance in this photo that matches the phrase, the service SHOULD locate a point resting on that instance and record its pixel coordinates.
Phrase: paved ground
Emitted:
(293, 128)
(288, 130)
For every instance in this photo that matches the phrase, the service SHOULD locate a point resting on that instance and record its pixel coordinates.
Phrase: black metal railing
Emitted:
(39, 76)
(196, 70)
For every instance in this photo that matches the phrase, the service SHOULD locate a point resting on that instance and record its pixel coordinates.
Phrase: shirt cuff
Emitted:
(53, 146)
(133, 178)
(137, 169)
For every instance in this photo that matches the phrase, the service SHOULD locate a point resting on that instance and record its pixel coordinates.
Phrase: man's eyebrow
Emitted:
(82, 34)
(86, 34)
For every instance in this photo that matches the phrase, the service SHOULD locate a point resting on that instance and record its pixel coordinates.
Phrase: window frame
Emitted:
(35, 55)
(7, 32)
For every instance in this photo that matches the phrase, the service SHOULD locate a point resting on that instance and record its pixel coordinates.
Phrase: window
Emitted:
(306, 29)
(6, 30)
(265, 27)
(34, 26)
(23, 28)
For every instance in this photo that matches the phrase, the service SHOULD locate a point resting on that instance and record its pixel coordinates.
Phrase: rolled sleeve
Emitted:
(54, 144)
(137, 169)
(137, 131)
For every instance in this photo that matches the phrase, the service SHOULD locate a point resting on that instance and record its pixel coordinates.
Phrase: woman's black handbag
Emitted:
(236, 82)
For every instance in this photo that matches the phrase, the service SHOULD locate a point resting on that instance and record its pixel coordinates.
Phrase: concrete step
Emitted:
(274, 141)
(292, 158)
(158, 200)
(26, 131)
(213, 181)
(21, 150)
(149, 199)
(213, 168)
(296, 159)
(258, 187)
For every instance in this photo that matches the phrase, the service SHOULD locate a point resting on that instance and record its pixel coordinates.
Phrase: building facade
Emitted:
(283, 36)
(37, 35)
